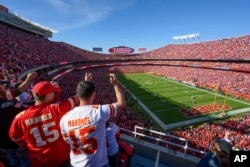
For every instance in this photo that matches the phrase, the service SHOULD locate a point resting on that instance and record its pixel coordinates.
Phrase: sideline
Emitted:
(200, 89)
(187, 122)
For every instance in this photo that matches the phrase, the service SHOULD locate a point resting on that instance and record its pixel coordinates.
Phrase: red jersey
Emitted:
(38, 127)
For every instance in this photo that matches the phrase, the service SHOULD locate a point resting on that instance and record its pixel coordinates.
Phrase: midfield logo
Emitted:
(239, 158)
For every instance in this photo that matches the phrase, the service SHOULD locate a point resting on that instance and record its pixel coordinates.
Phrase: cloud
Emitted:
(59, 4)
(73, 14)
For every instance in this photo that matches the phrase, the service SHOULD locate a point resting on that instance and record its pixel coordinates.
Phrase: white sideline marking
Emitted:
(205, 91)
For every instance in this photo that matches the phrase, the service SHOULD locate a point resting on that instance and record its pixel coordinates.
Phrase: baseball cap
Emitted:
(223, 144)
(44, 88)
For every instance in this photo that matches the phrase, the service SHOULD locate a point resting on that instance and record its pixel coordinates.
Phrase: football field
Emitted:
(171, 101)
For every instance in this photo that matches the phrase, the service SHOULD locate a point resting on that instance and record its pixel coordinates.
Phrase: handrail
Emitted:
(137, 135)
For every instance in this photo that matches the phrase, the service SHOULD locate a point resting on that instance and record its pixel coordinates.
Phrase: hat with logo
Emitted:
(44, 88)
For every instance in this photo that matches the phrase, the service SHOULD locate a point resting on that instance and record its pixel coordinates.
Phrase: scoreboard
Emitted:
(121, 50)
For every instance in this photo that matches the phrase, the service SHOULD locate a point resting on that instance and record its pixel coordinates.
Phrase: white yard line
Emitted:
(196, 104)
(203, 90)
(174, 108)
(187, 122)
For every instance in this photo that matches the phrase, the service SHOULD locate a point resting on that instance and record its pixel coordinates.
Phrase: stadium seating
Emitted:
(21, 50)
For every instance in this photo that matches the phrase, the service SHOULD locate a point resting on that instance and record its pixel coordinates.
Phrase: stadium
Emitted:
(179, 96)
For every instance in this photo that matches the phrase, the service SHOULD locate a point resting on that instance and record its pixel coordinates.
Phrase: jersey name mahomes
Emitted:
(38, 119)
(79, 122)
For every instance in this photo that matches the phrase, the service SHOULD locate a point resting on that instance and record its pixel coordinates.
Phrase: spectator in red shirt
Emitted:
(37, 129)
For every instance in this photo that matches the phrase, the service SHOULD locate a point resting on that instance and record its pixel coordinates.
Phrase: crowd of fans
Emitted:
(229, 82)
(21, 50)
(200, 137)
(238, 128)
(126, 119)
(234, 48)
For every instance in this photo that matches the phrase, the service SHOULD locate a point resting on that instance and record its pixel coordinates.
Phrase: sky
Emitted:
(149, 24)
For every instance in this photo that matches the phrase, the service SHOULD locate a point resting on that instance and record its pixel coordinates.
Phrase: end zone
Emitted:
(204, 109)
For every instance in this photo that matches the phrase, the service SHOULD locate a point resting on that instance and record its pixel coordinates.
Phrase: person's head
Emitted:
(85, 91)
(222, 151)
(223, 145)
(44, 92)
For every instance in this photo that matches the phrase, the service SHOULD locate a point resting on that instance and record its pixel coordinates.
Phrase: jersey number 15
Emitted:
(51, 135)
(82, 144)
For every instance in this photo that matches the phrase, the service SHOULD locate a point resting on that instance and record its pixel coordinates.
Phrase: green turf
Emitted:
(166, 97)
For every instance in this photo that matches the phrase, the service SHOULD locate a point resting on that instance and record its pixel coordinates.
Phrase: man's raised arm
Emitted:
(118, 92)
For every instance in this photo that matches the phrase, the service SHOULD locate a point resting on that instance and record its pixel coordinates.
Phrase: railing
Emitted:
(173, 143)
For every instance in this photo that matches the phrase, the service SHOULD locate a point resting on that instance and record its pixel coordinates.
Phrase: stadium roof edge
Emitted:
(16, 20)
